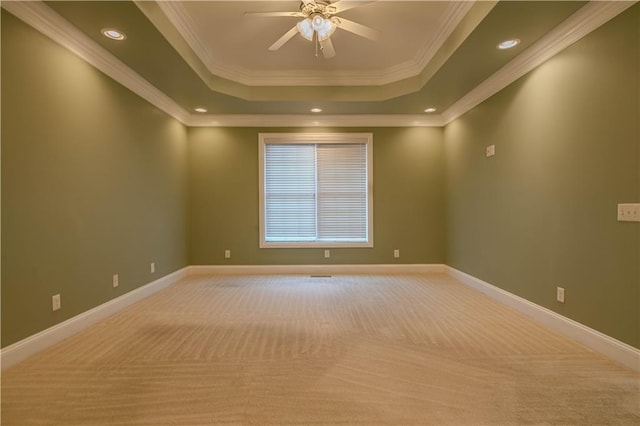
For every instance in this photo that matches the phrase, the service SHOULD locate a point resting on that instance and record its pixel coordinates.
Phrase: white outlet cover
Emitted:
(153, 267)
(327, 254)
(55, 302)
(115, 281)
(491, 150)
(629, 212)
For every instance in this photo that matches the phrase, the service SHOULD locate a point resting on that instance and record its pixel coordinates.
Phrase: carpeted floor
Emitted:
(397, 350)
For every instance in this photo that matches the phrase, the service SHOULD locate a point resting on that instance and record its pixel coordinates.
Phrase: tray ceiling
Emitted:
(210, 54)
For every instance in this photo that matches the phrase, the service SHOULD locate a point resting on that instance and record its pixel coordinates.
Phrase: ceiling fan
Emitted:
(319, 23)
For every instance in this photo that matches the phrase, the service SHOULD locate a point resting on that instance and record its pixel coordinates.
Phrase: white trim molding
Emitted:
(48, 22)
(315, 269)
(599, 342)
(306, 120)
(584, 21)
(316, 165)
(587, 19)
(177, 14)
(19, 351)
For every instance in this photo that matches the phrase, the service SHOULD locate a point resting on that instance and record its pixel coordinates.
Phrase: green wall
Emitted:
(93, 184)
(542, 212)
(408, 191)
(95, 181)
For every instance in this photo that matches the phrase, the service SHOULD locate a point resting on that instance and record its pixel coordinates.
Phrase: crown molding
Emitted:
(454, 14)
(180, 19)
(52, 25)
(588, 18)
(305, 120)
(48, 22)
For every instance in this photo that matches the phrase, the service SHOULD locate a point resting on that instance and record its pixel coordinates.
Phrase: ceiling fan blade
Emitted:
(292, 14)
(285, 38)
(358, 29)
(306, 2)
(342, 5)
(327, 48)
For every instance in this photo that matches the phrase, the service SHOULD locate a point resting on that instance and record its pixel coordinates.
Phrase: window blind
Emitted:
(342, 192)
(290, 192)
(316, 192)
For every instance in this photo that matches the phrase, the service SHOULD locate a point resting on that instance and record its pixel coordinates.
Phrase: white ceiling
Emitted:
(234, 45)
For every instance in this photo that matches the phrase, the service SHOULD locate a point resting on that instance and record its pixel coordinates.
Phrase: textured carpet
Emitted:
(400, 350)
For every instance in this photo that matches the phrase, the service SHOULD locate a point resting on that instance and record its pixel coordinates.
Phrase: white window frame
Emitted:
(316, 138)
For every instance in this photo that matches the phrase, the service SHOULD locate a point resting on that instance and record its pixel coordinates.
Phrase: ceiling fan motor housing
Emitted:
(319, 7)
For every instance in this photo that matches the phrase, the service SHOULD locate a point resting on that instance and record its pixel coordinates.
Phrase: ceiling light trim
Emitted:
(587, 19)
(113, 34)
(307, 120)
(44, 19)
(508, 44)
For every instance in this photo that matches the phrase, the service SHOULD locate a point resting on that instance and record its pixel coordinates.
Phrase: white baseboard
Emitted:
(19, 351)
(593, 339)
(599, 342)
(314, 269)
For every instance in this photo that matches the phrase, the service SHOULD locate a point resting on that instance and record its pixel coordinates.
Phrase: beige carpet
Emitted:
(398, 350)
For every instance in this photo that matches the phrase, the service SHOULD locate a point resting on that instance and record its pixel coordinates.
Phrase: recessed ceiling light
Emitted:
(316, 110)
(113, 34)
(431, 109)
(508, 44)
(200, 109)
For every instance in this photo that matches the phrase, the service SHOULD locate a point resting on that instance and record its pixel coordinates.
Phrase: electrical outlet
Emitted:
(227, 254)
(153, 267)
(491, 150)
(560, 294)
(629, 212)
(327, 254)
(55, 302)
(115, 280)
(396, 253)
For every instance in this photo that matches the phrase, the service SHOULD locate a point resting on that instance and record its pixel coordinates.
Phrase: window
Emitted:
(316, 190)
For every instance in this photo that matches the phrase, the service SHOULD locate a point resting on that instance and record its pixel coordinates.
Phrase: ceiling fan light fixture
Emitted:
(316, 24)
(326, 29)
(305, 29)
